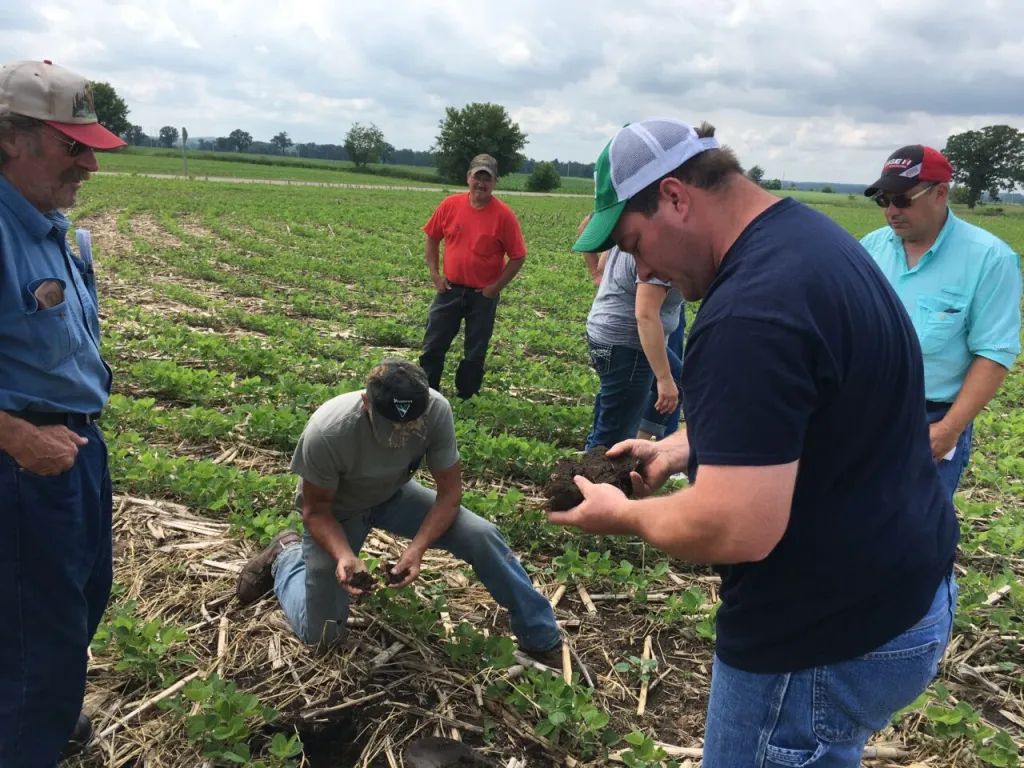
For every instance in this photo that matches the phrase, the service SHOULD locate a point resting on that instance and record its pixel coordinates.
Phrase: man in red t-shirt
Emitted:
(478, 230)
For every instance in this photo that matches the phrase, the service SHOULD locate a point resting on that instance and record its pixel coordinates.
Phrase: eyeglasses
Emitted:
(899, 201)
(75, 148)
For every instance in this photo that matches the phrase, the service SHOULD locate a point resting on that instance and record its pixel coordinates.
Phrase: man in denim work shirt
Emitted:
(961, 286)
(55, 492)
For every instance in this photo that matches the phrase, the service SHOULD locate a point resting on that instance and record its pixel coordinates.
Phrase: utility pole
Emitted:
(184, 149)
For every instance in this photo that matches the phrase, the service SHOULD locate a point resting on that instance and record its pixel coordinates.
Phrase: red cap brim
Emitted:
(92, 135)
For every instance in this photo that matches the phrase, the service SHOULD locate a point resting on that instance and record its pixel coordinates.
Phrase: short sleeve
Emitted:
(994, 316)
(512, 239)
(314, 460)
(750, 390)
(442, 448)
(437, 222)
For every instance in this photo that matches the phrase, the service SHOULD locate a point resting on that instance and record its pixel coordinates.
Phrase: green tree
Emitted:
(134, 135)
(240, 140)
(827, 189)
(988, 160)
(281, 141)
(168, 135)
(756, 174)
(476, 128)
(364, 144)
(544, 178)
(110, 108)
(773, 184)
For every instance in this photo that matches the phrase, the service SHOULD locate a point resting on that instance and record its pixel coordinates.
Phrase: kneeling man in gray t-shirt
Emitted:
(356, 459)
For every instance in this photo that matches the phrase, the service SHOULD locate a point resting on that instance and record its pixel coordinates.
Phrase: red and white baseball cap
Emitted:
(908, 166)
(56, 96)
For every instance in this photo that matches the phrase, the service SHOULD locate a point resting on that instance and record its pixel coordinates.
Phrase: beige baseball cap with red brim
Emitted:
(56, 96)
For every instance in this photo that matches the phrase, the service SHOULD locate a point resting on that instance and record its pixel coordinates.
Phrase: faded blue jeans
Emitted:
(952, 470)
(627, 382)
(316, 606)
(823, 717)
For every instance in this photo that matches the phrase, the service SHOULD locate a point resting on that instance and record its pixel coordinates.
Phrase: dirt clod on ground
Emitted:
(561, 490)
(364, 581)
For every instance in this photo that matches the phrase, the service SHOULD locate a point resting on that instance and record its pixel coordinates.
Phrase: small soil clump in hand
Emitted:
(561, 490)
(393, 578)
(364, 581)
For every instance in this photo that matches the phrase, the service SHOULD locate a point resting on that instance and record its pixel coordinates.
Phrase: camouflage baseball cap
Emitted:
(56, 96)
(484, 163)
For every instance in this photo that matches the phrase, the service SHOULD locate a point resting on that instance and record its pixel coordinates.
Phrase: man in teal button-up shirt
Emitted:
(961, 286)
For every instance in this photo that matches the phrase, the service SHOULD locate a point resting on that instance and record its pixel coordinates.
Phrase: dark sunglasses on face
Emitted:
(899, 201)
(74, 148)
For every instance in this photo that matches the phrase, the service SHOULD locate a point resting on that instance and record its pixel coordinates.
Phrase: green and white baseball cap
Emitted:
(638, 155)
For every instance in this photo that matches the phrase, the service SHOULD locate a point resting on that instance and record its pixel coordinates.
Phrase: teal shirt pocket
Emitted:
(56, 334)
(942, 317)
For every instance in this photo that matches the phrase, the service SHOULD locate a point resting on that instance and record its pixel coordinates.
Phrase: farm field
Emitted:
(203, 164)
(231, 311)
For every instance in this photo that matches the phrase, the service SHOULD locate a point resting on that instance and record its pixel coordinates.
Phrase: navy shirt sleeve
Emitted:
(750, 390)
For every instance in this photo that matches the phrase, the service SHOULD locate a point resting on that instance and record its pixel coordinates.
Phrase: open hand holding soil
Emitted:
(362, 580)
(393, 578)
(561, 489)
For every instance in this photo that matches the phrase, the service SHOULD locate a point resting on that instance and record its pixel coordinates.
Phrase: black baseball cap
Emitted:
(398, 390)
(908, 166)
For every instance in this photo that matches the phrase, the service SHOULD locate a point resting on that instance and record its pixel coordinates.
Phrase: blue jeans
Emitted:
(56, 572)
(316, 606)
(662, 425)
(951, 470)
(823, 717)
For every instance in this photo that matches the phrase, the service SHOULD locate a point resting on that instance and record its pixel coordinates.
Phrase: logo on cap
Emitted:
(402, 406)
(82, 105)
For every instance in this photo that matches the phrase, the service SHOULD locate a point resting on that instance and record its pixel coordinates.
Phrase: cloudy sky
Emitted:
(811, 91)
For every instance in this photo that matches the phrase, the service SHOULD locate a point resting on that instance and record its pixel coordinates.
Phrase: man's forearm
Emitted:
(432, 254)
(326, 530)
(13, 431)
(593, 264)
(681, 526)
(983, 380)
(652, 339)
(511, 270)
(438, 520)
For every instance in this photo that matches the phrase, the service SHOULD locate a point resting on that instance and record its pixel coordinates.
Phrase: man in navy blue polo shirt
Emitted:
(812, 486)
(55, 491)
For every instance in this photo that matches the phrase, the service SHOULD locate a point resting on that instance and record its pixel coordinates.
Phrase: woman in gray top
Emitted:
(627, 332)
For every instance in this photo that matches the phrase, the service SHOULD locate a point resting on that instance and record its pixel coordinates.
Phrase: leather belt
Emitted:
(49, 418)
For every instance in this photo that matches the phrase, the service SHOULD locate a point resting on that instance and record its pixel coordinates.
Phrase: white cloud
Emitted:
(809, 90)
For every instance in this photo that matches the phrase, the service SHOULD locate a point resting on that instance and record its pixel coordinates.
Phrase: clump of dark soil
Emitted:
(363, 581)
(561, 490)
(393, 578)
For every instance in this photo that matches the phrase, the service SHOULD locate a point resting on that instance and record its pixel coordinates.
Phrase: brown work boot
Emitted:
(256, 578)
(552, 657)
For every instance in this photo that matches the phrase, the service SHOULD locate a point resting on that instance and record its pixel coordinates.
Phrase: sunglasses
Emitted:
(75, 148)
(899, 201)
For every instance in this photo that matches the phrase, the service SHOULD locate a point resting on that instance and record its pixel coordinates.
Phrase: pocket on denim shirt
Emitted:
(55, 330)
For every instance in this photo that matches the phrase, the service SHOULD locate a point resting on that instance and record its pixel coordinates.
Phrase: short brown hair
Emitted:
(710, 170)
